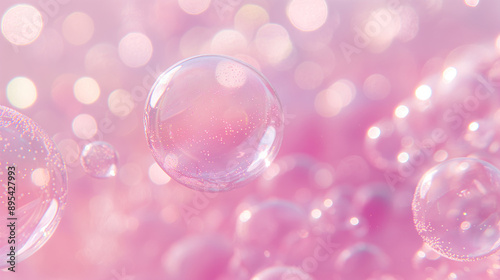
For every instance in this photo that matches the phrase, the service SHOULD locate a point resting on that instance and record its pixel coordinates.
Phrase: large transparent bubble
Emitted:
(213, 123)
(456, 208)
(33, 186)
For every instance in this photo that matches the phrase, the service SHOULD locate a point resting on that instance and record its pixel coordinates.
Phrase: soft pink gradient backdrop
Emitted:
(326, 206)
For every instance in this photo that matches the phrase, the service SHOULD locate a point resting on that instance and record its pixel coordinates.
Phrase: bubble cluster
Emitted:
(456, 208)
(99, 159)
(213, 123)
(38, 184)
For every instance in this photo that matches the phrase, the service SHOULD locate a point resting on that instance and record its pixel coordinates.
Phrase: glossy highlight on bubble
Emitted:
(33, 176)
(456, 209)
(213, 123)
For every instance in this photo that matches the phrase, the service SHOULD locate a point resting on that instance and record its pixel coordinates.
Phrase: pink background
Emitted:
(325, 190)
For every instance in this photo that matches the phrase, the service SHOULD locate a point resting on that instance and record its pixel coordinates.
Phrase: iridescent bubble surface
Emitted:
(456, 208)
(99, 159)
(33, 173)
(213, 123)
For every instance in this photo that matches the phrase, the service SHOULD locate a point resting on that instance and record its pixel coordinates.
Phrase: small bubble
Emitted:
(99, 159)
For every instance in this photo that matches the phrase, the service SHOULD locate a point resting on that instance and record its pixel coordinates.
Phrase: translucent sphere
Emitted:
(464, 90)
(271, 225)
(456, 208)
(99, 159)
(383, 144)
(362, 261)
(213, 123)
(33, 184)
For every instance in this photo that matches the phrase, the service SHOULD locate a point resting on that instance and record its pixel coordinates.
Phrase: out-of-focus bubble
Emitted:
(33, 185)
(273, 43)
(86, 90)
(425, 257)
(213, 123)
(135, 49)
(362, 261)
(376, 28)
(482, 144)
(78, 28)
(330, 102)
(210, 253)
(99, 159)
(456, 211)
(480, 134)
(249, 18)
(70, 151)
(273, 225)
(339, 220)
(307, 15)
(269, 232)
(194, 7)
(376, 87)
(454, 96)
(22, 24)
(228, 42)
(373, 205)
(121, 103)
(384, 145)
(21, 92)
(282, 273)
(410, 24)
(84, 126)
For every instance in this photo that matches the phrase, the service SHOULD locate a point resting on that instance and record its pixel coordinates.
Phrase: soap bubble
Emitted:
(456, 208)
(30, 162)
(265, 231)
(383, 145)
(99, 159)
(361, 261)
(465, 89)
(272, 224)
(213, 123)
